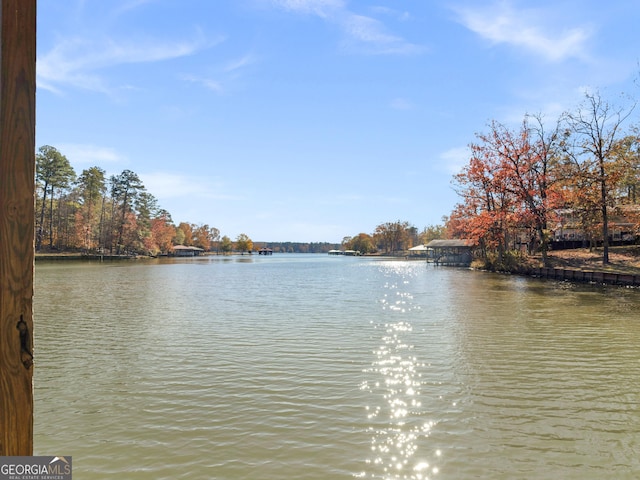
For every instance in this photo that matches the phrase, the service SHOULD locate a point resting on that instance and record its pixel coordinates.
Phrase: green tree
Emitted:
(244, 243)
(187, 233)
(92, 189)
(53, 170)
(179, 237)
(147, 208)
(432, 232)
(125, 189)
(225, 244)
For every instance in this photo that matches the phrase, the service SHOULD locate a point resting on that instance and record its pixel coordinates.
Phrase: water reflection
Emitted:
(399, 423)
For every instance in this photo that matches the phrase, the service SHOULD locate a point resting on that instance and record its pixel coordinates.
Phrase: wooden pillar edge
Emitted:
(17, 169)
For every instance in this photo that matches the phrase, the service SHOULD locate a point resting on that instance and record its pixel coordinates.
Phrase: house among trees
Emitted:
(573, 229)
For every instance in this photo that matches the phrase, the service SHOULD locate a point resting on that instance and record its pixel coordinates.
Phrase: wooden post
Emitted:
(17, 169)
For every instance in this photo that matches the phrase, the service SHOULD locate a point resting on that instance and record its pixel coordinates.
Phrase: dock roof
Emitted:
(188, 248)
(459, 242)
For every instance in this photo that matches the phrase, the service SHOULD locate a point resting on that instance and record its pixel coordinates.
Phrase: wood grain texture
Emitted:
(17, 168)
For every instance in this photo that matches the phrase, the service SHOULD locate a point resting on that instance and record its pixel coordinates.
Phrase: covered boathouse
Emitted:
(457, 252)
(186, 251)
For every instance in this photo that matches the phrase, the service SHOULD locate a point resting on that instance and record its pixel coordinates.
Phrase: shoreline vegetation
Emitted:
(622, 260)
(581, 265)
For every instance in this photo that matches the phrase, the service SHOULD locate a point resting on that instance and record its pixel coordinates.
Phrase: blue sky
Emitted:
(311, 120)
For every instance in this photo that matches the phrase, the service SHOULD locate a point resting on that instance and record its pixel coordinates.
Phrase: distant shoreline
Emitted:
(580, 265)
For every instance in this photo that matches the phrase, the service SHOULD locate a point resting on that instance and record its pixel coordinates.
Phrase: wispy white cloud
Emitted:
(530, 29)
(367, 29)
(363, 34)
(131, 5)
(403, 16)
(321, 8)
(165, 185)
(370, 36)
(90, 155)
(208, 83)
(219, 80)
(239, 63)
(78, 62)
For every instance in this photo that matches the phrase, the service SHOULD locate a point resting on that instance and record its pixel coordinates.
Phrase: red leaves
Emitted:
(506, 187)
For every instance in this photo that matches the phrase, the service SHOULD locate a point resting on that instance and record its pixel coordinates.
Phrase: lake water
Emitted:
(320, 367)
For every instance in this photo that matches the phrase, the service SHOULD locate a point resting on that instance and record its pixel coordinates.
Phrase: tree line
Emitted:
(393, 238)
(297, 247)
(94, 213)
